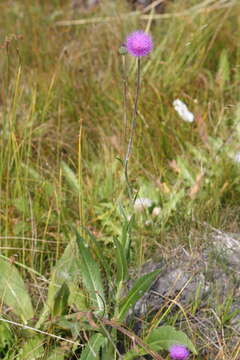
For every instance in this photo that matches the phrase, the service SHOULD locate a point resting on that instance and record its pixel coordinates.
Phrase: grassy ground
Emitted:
(62, 130)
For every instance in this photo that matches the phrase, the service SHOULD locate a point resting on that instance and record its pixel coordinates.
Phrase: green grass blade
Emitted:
(91, 351)
(71, 178)
(223, 74)
(126, 235)
(122, 268)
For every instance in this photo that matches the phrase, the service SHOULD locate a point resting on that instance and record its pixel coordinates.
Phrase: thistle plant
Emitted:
(138, 44)
(85, 296)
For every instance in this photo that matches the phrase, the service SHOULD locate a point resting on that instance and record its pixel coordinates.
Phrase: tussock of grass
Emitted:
(61, 120)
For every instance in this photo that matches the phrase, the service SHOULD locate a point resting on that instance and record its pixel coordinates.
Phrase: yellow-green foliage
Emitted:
(62, 121)
(63, 138)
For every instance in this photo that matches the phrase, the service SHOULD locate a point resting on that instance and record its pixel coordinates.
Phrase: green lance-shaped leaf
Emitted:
(122, 268)
(91, 351)
(90, 275)
(33, 349)
(98, 251)
(161, 338)
(223, 73)
(61, 301)
(137, 291)
(45, 185)
(57, 354)
(6, 336)
(126, 236)
(71, 178)
(65, 271)
(166, 336)
(13, 291)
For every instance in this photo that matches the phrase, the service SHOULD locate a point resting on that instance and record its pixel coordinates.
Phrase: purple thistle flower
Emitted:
(178, 352)
(139, 43)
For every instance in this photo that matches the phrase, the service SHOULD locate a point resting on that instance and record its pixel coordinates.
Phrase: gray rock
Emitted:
(209, 279)
(228, 246)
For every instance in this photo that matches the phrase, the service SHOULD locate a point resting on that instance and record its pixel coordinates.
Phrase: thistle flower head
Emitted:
(178, 352)
(139, 43)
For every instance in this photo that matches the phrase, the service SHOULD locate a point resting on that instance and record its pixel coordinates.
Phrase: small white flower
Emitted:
(142, 203)
(148, 222)
(183, 111)
(237, 157)
(156, 211)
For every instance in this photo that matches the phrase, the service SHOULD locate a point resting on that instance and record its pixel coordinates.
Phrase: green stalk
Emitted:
(132, 129)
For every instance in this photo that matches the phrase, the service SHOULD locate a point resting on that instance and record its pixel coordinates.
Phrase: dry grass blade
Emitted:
(40, 331)
(97, 20)
(132, 336)
(153, 5)
(207, 6)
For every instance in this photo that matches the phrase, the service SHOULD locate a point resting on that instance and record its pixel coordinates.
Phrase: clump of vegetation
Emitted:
(64, 136)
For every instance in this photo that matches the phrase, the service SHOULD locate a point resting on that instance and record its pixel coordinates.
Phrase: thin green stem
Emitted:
(132, 129)
(125, 104)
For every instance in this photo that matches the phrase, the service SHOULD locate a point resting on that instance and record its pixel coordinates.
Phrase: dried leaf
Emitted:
(174, 166)
(202, 128)
(196, 187)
